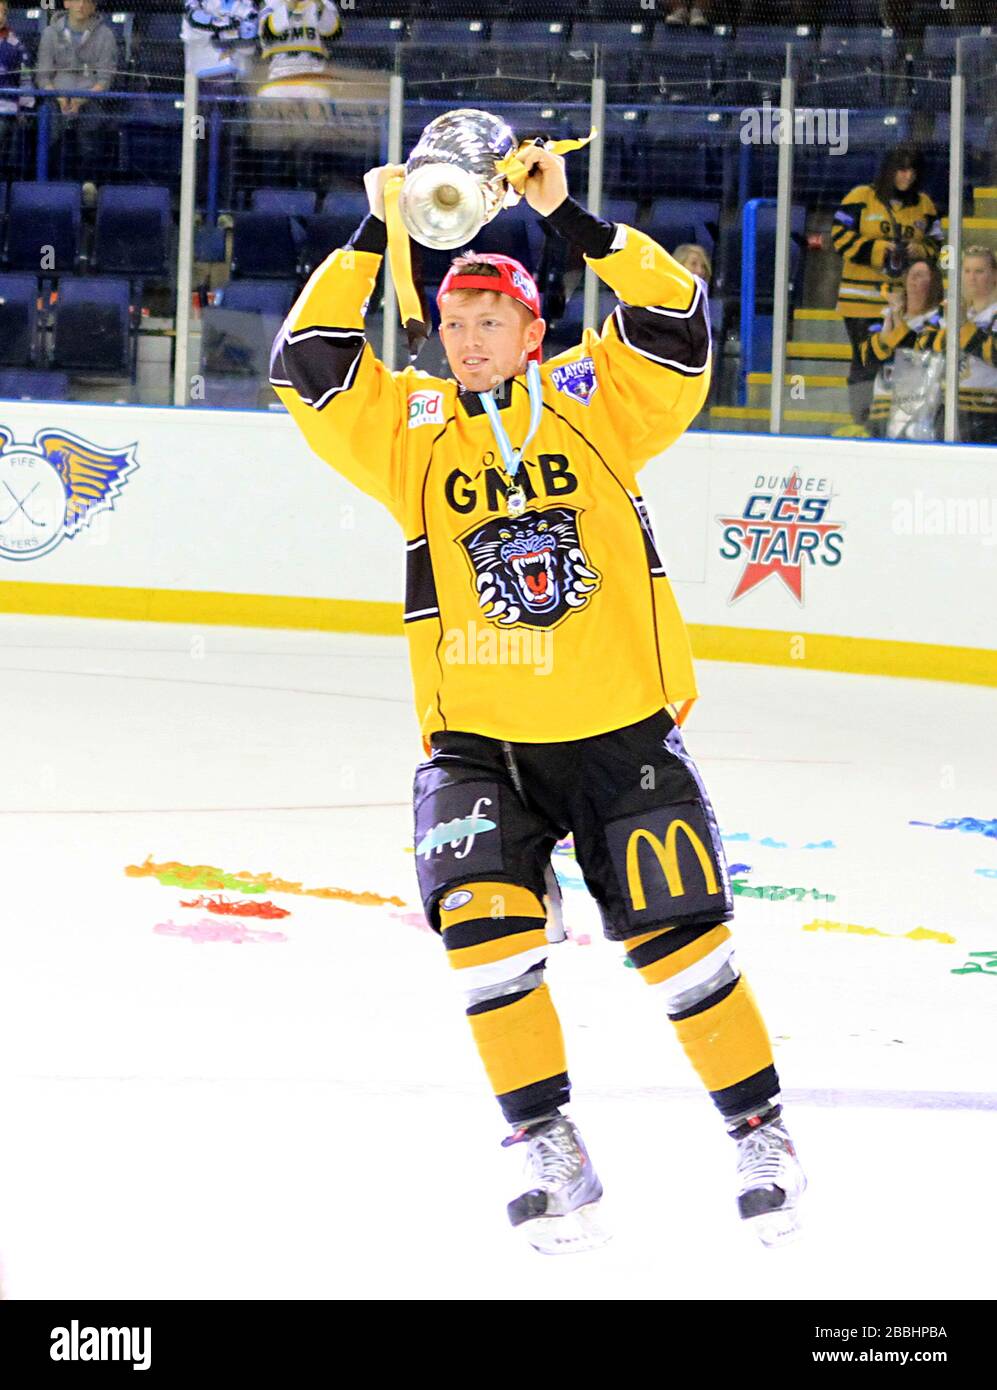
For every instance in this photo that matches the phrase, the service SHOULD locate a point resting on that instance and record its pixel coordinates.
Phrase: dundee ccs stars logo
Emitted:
(782, 532)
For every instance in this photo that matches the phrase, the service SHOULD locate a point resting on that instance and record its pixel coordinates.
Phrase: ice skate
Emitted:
(770, 1182)
(559, 1214)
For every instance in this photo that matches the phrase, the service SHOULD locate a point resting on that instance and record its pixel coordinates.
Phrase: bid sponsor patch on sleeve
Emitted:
(425, 408)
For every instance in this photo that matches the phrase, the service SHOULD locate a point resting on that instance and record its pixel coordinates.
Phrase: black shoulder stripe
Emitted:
(318, 363)
(678, 339)
(420, 585)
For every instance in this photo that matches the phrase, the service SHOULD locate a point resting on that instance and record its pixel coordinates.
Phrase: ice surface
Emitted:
(308, 1118)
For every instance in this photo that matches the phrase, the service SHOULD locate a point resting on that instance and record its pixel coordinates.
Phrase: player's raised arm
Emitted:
(350, 407)
(652, 359)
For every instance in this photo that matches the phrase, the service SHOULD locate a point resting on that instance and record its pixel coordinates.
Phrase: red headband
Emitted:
(513, 279)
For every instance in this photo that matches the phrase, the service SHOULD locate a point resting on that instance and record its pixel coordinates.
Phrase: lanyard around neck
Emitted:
(511, 458)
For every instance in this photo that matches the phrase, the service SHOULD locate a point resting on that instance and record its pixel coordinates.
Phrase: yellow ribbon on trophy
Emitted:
(399, 251)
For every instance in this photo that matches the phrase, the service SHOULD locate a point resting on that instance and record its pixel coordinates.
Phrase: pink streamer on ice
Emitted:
(205, 930)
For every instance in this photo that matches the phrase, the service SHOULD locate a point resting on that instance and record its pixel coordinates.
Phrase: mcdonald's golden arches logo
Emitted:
(668, 859)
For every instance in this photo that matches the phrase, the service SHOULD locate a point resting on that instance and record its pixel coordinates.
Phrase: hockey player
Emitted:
(515, 486)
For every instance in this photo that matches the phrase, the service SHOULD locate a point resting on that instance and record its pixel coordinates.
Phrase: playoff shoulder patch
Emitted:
(576, 379)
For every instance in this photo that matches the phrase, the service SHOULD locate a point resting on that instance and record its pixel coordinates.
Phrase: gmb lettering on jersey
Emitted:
(465, 494)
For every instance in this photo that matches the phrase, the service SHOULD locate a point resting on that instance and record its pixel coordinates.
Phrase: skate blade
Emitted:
(580, 1230)
(775, 1228)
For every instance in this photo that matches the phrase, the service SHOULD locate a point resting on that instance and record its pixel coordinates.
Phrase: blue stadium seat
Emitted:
(940, 40)
(33, 386)
(463, 70)
(878, 130)
(859, 42)
(619, 210)
(840, 81)
(92, 324)
(611, 35)
(749, 80)
(292, 202)
(123, 26)
(237, 333)
(150, 143)
(692, 43)
(267, 245)
(622, 137)
(511, 32)
(443, 33)
(773, 39)
(44, 215)
(511, 233)
(674, 221)
(341, 214)
(681, 150)
(431, 75)
(372, 33)
(18, 320)
(132, 235)
(662, 78)
(273, 297)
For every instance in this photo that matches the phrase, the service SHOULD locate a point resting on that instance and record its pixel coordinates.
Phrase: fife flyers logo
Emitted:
(51, 489)
(782, 530)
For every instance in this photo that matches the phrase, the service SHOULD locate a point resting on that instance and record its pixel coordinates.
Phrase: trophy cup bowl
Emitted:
(451, 186)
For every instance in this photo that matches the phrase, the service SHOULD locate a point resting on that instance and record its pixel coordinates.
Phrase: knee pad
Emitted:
(687, 965)
(495, 938)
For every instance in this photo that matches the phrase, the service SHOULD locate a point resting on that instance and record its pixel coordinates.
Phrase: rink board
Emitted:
(881, 554)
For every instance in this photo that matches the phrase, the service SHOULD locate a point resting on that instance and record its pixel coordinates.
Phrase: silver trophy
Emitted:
(452, 187)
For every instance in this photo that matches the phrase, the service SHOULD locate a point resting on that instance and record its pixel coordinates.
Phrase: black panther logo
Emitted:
(530, 569)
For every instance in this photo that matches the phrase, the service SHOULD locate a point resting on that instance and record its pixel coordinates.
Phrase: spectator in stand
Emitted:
(911, 309)
(877, 229)
(294, 43)
(219, 38)
(13, 73)
(78, 51)
(695, 258)
(978, 342)
(681, 13)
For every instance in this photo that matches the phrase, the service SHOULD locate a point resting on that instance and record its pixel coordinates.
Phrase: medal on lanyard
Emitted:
(515, 498)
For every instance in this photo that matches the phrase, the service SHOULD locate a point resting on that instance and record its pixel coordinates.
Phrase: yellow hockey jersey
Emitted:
(863, 232)
(559, 623)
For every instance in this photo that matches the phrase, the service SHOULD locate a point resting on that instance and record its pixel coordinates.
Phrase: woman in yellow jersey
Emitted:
(910, 309)
(978, 346)
(551, 667)
(877, 229)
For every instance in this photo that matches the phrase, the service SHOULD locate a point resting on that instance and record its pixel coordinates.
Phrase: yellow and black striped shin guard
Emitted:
(722, 1034)
(493, 937)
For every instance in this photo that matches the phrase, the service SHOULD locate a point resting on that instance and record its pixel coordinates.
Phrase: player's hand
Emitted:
(374, 181)
(547, 183)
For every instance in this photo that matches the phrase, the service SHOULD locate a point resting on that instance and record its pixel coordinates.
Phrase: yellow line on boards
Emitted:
(195, 606)
(868, 656)
(759, 646)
